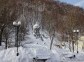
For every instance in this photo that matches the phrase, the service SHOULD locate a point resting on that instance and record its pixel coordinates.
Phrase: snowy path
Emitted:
(65, 54)
(79, 58)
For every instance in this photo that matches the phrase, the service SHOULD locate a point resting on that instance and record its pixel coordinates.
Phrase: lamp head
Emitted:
(17, 23)
(74, 30)
(77, 30)
(14, 23)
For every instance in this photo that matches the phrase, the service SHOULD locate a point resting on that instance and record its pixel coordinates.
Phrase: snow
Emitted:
(33, 47)
(57, 54)
(30, 48)
(27, 53)
(30, 39)
(40, 51)
(36, 25)
(80, 56)
(36, 48)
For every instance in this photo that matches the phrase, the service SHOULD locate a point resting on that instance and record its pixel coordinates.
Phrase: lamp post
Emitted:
(76, 33)
(16, 25)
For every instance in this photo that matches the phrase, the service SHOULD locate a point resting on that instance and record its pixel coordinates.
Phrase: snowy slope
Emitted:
(36, 48)
(31, 48)
(27, 54)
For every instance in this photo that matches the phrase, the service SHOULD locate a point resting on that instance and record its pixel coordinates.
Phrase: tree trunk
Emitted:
(1, 36)
(0, 39)
(73, 45)
(70, 45)
(52, 38)
(51, 43)
(6, 43)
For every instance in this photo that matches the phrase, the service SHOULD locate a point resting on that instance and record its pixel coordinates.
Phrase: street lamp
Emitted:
(17, 25)
(76, 32)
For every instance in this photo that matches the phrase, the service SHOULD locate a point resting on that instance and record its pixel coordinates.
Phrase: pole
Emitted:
(15, 36)
(17, 40)
(73, 43)
(17, 24)
(77, 42)
(6, 43)
(73, 46)
(77, 46)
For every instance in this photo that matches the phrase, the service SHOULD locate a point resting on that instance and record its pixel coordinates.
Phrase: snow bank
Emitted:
(27, 53)
(80, 56)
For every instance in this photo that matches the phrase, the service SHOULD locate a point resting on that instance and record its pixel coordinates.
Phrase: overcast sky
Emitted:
(79, 3)
(71, 1)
